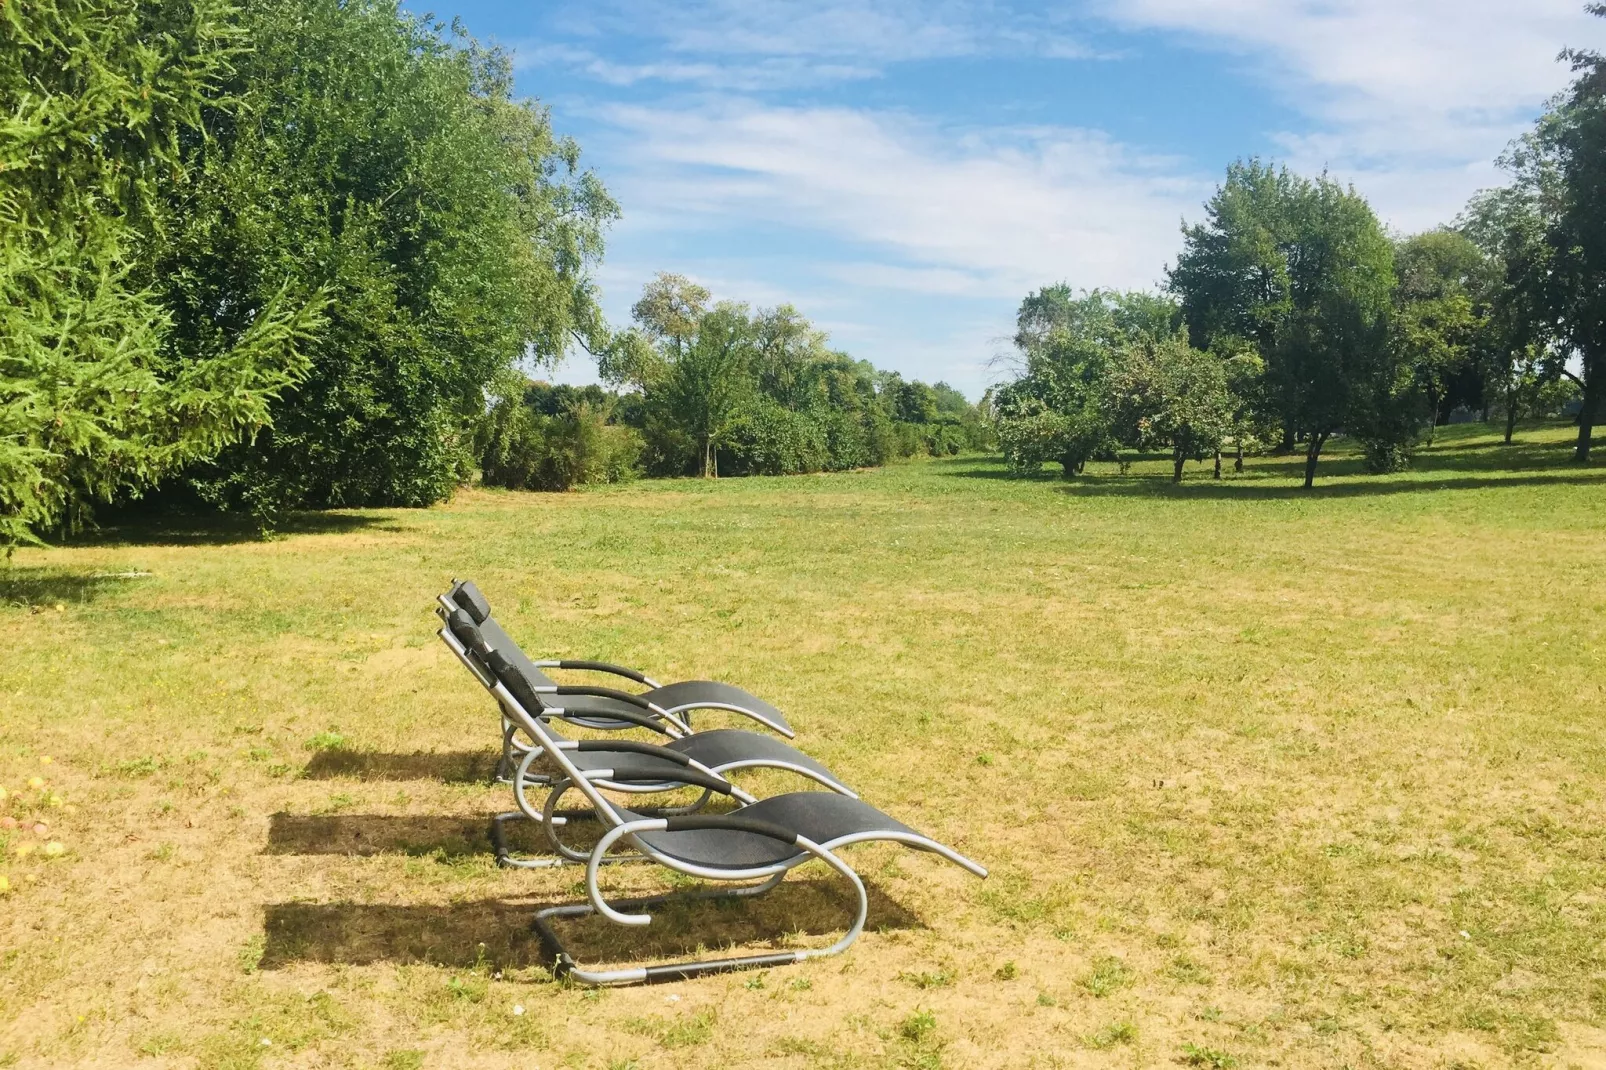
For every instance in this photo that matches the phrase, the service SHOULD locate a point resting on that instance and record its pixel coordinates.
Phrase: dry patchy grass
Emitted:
(1264, 777)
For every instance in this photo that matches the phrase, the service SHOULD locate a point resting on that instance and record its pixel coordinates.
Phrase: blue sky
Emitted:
(904, 172)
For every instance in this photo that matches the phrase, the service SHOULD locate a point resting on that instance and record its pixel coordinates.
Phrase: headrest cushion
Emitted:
(473, 602)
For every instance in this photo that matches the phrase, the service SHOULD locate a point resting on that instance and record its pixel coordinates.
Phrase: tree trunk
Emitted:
(1312, 452)
(1177, 461)
(1590, 408)
(708, 448)
(1238, 462)
(1288, 438)
(1218, 462)
(1511, 412)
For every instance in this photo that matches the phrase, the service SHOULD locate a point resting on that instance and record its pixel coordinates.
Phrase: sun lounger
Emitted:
(606, 709)
(761, 841)
(694, 759)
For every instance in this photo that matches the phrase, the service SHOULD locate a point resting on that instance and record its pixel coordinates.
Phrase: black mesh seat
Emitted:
(696, 760)
(595, 711)
(601, 711)
(821, 816)
(725, 748)
(719, 749)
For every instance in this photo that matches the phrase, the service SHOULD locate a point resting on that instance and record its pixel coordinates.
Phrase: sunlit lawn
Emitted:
(1264, 775)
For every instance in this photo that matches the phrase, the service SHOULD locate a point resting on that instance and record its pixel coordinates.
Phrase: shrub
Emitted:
(1029, 441)
(771, 440)
(848, 440)
(527, 450)
(1383, 457)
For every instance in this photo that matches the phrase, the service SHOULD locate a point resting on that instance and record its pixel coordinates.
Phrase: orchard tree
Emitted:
(1436, 321)
(1166, 393)
(1069, 346)
(1302, 270)
(1562, 166)
(1513, 346)
(1341, 279)
(1234, 275)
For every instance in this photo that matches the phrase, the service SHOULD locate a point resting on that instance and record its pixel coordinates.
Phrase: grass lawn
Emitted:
(1264, 776)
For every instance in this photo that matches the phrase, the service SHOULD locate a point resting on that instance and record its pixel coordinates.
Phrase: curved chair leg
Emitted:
(550, 821)
(564, 965)
(512, 751)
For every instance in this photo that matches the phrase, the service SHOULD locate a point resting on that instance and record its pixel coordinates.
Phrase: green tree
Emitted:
(381, 160)
(950, 402)
(1302, 269)
(915, 403)
(1437, 318)
(1069, 346)
(555, 439)
(1513, 346)
(788, 354)
(99, 395)
(1562, 167)
(669, 311)
(1166, 393)
(1234, 275)
(703, 389)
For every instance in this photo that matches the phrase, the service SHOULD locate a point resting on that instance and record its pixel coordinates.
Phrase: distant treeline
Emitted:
(1291, 316)
(304, 253)
(719, 390)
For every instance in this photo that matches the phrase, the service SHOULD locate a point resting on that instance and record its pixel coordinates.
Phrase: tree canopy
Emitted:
(101, 392)
(381, 160)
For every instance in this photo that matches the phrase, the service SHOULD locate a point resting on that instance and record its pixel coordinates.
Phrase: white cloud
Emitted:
(815, 34)
(1413, 99)
(756, 75)
(910, 242)
(1006, 210)
(952, 282)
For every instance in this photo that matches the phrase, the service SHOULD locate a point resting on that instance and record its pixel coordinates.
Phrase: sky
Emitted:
(905, 171)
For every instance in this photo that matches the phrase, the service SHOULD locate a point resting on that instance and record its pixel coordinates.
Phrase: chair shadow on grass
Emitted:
(24, 587)
(499, 933)
(438, 836)
(451, 767)
(372, 834)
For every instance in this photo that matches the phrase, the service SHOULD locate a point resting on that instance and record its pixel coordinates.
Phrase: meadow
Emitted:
(1264, 776)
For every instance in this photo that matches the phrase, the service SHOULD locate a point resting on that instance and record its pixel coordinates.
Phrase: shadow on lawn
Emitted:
(183, 528)
(1258, 490)
(498, 933)
(1453, 463)
(452, 767)
(38, 588)
(370, 834)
